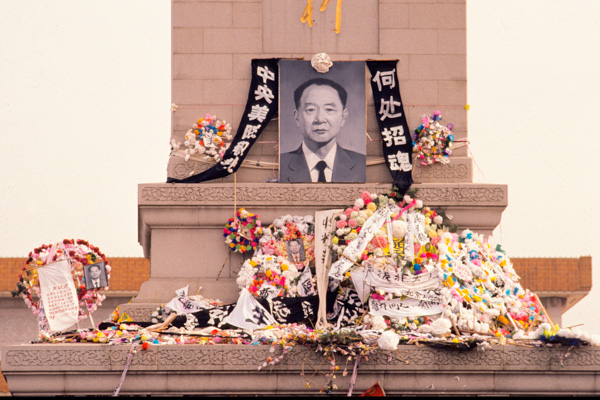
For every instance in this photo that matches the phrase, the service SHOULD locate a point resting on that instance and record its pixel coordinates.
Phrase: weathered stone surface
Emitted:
(177, 370)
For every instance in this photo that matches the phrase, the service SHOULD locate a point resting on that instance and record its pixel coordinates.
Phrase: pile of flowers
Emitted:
(243, 232)
(432, 141)
(277, 236)
(473, 280)
(268, 276)
(208, 136)
(79, 253)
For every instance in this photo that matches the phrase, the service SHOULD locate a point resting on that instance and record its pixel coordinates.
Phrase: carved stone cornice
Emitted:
(233, 370)
(81, 356)
(202, 205)
(459, 170)
(310, 194)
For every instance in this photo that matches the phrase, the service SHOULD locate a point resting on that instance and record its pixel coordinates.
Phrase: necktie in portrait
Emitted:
(320, 166)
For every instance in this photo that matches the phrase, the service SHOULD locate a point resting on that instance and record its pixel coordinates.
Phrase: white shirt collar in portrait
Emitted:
(312, 159)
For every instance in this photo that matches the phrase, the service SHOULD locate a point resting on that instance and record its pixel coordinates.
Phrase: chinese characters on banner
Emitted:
(262, 104)
(324, 226)
(366, 278)
(249, 314)
(395, 135)
(357, 246)
(59, 296)
(428, 305)
(182, 303)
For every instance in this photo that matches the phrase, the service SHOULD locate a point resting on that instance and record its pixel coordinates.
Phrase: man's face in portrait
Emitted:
(95, 272)
(294, 247)
(321, 114)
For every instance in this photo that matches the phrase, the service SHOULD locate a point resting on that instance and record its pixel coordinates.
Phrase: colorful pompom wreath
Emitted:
(432, 142)
(242, 232)
(79, 253)
(208, 136)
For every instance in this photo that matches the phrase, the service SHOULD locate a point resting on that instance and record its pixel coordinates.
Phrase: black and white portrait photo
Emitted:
(295, 250)
(322, 122)
(95, 276)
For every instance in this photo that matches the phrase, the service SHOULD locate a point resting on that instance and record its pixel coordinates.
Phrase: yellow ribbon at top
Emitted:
(307, 14)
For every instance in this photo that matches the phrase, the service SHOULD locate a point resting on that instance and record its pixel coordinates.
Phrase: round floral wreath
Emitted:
(207, 137)
(274, 273)
(79, 253)
(288, 228)
(433, 141)
(242, 232)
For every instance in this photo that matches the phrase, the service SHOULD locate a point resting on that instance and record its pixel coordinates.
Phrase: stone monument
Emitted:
(180, 224)
(211, 74)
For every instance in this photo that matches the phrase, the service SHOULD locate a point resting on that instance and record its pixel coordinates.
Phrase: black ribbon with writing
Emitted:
(396, 138)
(262, 104)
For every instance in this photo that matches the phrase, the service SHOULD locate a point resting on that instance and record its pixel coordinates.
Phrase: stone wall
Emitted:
(213, 43)
(92, 369)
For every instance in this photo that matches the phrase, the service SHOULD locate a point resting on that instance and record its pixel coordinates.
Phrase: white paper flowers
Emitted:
(321, 62)
(388, 340)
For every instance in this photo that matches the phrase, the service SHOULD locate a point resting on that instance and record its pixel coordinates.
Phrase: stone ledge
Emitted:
(460, 170)
(208, 205)
(61, 368)
(323, 195)
(178, 221)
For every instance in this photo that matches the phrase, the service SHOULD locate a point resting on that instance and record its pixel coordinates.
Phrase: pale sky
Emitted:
(84, 118)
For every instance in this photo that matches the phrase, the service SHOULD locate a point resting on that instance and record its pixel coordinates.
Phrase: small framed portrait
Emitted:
(322, 122)
(295, 250)
(95, 276)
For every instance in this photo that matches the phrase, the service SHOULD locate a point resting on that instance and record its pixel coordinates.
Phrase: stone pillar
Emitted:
(554, 305)
(180, 225)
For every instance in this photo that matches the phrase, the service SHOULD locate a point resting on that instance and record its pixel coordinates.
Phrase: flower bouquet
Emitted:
(432, 141)
(208, 136)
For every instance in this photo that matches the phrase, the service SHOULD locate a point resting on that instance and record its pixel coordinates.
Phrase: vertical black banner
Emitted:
(262, 104)
(396, 138)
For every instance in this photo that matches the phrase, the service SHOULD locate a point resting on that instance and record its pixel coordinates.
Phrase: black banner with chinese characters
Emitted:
(396, 138)
(285, 310)
(262, 104)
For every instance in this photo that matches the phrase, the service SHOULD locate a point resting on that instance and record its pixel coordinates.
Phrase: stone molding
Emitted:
(138, 311)
(459, 170)
(59, 369)
(456, 171)
(68, 356)
(311, 194)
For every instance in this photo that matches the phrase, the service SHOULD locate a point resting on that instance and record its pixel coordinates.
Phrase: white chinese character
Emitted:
(263, 92)
(387, 109)
(387, 78)
(230, 163)
(394, 136)
(399, 162)
(250, 132)
(265, 74)
(239, 148)
(258, 112)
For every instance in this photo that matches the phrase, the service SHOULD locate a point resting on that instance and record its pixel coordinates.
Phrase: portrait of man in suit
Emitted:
(320, 117)
(295, 251)
(95, 276)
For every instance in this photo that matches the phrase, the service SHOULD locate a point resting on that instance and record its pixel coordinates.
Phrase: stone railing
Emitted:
(94, 369)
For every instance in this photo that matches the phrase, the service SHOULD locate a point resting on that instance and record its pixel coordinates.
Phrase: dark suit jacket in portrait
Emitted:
(348, 166)
(90, 284)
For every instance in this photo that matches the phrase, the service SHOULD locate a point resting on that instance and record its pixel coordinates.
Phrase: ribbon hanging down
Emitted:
(262, 104)
(397, 143)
